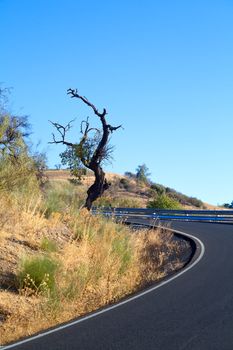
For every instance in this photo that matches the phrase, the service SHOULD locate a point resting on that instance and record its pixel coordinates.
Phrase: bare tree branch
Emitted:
(87, 129)
(74, 93)
(62, 131)
(90, 150)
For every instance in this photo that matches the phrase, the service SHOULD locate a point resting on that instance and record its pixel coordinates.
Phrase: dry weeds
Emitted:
(99, 263)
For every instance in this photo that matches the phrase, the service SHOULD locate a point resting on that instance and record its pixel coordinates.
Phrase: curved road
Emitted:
(192, 312)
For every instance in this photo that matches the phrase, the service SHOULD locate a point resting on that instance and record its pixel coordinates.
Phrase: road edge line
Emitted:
(196, 258)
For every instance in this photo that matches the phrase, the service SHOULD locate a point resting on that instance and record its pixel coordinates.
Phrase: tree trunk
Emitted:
(97, 189)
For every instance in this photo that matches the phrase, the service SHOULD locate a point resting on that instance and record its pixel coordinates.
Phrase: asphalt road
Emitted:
(193, 311)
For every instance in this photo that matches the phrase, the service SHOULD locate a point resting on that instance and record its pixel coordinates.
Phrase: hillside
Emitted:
(59, 262)
(128, 192)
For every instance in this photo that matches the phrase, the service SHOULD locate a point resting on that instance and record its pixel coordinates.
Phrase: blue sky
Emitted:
(162, 68)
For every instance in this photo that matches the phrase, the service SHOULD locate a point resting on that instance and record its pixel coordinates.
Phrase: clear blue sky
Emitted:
(162, 68)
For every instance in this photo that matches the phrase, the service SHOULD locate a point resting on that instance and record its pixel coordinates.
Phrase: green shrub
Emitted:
(48, 245)
(183, 199)
(228, 205)
(158, 188)
(61, 196)
(18, 168)
(162, 201)
(37, 273)
(18, 176)
(125, 184)
(196, 202)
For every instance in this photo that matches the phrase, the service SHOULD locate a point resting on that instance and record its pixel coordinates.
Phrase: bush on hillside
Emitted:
(61, 196)
(228, 205)
(20, 171)
(162, 201)
(157, 189)
(38, 274)
(18, 176)
(125, 184)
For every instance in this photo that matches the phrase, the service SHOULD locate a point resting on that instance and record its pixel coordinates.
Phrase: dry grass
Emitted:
(64, 175)
(99, 262)
(115, 196)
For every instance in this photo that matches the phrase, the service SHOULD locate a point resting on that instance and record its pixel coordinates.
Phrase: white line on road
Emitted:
(107, 309)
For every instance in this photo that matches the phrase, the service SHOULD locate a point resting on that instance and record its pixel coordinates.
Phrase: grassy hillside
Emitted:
(60, 262)
(128, 192)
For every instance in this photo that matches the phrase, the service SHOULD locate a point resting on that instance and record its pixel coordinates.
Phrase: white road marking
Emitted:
(97, 313)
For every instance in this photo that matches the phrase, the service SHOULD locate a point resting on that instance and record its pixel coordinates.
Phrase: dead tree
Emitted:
(91, 151)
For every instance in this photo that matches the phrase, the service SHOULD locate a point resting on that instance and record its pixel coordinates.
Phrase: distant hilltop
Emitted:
(126, 191)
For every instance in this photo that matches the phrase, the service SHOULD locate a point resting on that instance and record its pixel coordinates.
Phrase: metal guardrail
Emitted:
(165, 214)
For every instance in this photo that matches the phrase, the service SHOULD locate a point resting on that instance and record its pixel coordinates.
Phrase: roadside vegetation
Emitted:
(61, 264)
(163, 201)
(129, 190)
(228, 205)
(138, 190)
(57, 260)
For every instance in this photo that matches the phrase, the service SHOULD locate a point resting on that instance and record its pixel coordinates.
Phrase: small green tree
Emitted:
(74, 164)
(142, 174)
(39, 160)
(228, 205)
(13, 131)
(18, 166)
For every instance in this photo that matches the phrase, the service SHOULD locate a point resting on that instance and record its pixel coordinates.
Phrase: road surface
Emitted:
(192, 312)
